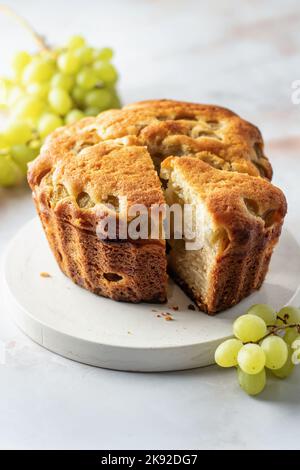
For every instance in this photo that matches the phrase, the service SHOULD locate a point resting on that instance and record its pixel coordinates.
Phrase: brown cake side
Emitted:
(71, 189)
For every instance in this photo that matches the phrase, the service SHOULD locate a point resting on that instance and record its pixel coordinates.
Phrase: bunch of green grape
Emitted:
(47, 90)
(264, 339)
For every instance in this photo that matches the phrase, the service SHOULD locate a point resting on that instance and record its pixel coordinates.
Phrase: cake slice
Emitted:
(77, 183)
(241, 219)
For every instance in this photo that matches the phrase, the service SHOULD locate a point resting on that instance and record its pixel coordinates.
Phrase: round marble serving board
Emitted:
(79, 325)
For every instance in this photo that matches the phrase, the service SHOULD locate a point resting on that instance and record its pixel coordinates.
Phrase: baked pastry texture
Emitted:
(85, 169)
(241, 218)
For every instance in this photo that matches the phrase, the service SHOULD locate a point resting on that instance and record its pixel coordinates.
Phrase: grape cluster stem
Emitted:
(39, 39)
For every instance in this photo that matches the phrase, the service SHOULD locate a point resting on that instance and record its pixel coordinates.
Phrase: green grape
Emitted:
(28, 107)
(76, 41)
(86, 78)
(105, 71)
(10, 173)
(276, 351)
(290, 314)
(249, 328)
(296, 354)
(251, 358)
(37, 70)
(39, 90)
(85, 55)
(106, 53)
(17, 132)
(22, 154)
(19, 62)
(264, 311)
(73, 116)
(92, 111)
(287, 368)
(78, 95)
(48, 123)
(253, 384)
(61, 80)
(226, 353)
(59, 101)
(68, 63)
(296, 343)
(99, 98)
(290, 335)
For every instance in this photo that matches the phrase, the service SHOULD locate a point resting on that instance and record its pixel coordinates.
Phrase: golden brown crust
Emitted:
(96, 161)
(250, 211)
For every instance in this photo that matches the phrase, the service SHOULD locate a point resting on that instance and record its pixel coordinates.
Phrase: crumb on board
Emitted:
(158, 316)
(169, 318)
(129, 333)
(45, 274)
(191, 307)
(173, 307)
(153, 310)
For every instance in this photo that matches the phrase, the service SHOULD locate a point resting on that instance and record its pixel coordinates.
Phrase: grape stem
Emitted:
(275, 329)
(39, 39)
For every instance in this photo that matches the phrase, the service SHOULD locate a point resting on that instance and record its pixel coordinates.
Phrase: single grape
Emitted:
(78, 95)
(75, 42)
(60, 101)
(28, 107)
(106, 53)
(276, 351)
(99, 98)
(296, 356)
(39, 90)
(249, 328)
(22, 154)
(251, 358)
(61, 80)
(290, 335)
(68, 63)
(19, 62)
(85, 55)
(296, 343)
(73, 116)
(226, 353)
(86, 78)
(37, 71)
(92, 111)
(10, 173)
(265, 312)
(105, 72)
(253, 384)
(17, 132)
(290, 314)
(287, 368)
(48, 123)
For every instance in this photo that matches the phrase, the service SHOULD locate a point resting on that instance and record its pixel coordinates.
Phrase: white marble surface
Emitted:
(243, 55)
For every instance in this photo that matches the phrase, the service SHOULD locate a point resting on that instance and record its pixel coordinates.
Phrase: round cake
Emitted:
(153, 153)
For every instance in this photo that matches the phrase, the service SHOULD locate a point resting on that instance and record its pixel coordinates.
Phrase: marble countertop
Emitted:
(243, 55)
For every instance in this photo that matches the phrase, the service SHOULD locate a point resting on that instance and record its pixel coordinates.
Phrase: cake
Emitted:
(205, 155)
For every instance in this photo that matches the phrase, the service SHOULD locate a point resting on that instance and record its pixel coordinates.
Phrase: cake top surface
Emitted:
(165, 128)
(101, 159)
